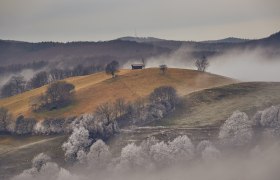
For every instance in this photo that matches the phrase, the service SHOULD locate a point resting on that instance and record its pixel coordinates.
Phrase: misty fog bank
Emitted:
(258, 64)
(247, 65)
(261, 162)
(26, 73)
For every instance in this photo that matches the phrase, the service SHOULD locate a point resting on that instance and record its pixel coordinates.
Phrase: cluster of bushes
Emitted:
(18, 84)
(97, 128)
(59, 94)
(161, 101)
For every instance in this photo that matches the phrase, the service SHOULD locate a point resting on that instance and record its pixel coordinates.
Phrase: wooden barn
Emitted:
(137, 66)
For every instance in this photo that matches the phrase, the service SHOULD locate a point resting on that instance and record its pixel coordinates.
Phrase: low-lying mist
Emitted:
(26, 73)
(247, 65)
(259, 163)
(259, 64)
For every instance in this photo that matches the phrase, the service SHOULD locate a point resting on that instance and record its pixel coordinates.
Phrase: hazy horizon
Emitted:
(115, 38)
(86, 20)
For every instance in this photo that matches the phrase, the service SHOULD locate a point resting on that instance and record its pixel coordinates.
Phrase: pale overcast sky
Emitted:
(93, 20)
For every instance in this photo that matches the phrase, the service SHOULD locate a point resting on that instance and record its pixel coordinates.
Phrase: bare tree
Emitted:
(79, 70)
(143, 62)
(106, 111)
(120, 107)
(15, 85)
(163, 68)
(202, 64)
(4, 116)
(112, 68)
(39, 79)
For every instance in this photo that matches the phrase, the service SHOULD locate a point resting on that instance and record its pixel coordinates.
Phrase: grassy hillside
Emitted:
(201, 113)
(95, 89)
(16, 152)
(213, 106)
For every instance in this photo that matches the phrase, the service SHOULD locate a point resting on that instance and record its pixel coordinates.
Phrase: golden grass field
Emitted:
(92, 90)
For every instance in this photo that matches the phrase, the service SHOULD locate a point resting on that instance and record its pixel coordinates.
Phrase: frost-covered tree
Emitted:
(207, 151)
(131, 158)
(98, 128)
(202, 145)
(78, 141)
(99, 155)
(40, 160)
(269, 120)
(161, 154)
(237, 130)
(43, 169)
(210, 153)
(148, 143)
(51, 126)
(181, 149)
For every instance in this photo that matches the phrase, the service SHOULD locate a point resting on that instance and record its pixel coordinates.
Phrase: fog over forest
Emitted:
(246, 148)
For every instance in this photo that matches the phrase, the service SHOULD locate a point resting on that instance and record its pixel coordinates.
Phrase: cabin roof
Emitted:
(137, 65)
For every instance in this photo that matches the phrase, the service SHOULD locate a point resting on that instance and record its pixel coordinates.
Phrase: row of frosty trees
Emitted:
(94, 158)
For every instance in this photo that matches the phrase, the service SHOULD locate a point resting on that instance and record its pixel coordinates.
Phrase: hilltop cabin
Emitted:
(137, 66)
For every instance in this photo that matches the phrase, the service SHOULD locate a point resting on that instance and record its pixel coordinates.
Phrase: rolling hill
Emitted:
(212, 106)
(200, 113)
(93, 90)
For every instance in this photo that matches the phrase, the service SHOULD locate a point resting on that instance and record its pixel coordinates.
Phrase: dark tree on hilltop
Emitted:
(59, 91)
(163, 68)
(15, 85)
(202, 64)
(112, 68)
(58, 94)
(39, 79)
